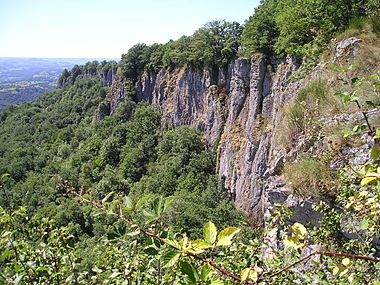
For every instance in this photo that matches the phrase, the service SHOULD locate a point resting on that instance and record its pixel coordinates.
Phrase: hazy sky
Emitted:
(105, 28)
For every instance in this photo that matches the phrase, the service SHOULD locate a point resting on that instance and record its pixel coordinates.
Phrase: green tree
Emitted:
(261, 31)
(133, 62)
(216, 43)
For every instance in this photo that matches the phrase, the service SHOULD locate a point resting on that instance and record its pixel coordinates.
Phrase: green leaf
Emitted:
(299, 230)
(375, 152)
(206, 272)
(157, 206)
(127, 203)
(70, 278)
(142, 201)
(225, 236)
(114, 274)
(18, 279)
(167, 202)
(345, 96)
(293, 242)
(108, 196)
(209, 232)
(153, 242)
(151, 215)
(367, 180)
(4, 175)
(377, 135)
(171, 258)
(184, 241)
(172, 243)
(5, 254)
(347, 133)
(363, 225)
(373, 76)
(370, 103)
(353, 66)
(190, 271)
(356, 81)
(151, 250)
(333, 67)
(132, 232)
(198, 246)
(96, 270)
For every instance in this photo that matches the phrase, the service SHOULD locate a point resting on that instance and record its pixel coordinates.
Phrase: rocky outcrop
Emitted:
(92, 70)
(248, 153)
(238, 108)
(119, 92)
(347, 47)
(105, 76)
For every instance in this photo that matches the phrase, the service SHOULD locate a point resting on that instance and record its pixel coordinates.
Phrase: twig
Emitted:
(149, 234)
(208, 261)
(364, 113)
(217, 267)
(349, 256)
(292, 265)
(324, 253)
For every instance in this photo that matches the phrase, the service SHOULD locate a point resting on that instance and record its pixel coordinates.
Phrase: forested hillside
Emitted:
(106, 180)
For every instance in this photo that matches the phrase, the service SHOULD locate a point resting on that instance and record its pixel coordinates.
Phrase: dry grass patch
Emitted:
(311, 177)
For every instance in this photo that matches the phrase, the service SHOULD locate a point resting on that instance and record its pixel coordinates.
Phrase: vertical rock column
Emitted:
(243, 152)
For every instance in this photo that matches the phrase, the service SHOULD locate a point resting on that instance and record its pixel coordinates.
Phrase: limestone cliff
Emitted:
(105, 75)
(237, 108)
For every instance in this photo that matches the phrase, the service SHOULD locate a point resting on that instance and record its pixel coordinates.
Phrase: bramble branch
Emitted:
(323, 253)
(100, 206)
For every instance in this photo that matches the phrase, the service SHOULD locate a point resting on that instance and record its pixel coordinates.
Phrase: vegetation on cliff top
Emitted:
(302, 27)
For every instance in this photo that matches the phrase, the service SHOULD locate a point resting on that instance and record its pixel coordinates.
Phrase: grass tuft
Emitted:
(310, 177)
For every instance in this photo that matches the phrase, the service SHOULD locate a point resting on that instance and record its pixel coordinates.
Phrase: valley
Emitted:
(25, 79)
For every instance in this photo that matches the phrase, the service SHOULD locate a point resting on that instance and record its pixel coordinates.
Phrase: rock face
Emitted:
(105, 76)
(346, 47)
(238, 108)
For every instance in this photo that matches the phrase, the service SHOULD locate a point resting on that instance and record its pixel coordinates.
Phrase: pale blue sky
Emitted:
(105, 28)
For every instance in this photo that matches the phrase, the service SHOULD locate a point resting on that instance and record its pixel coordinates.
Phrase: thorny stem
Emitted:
(98, 205)
(364, 113)
(120, 215)
(322, 253)
(217, 267)
(292, 265)
(348, 255)
(371, 131)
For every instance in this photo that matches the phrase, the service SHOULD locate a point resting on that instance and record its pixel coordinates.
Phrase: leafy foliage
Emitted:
(261, 31)
(215, 44)
(300, 27)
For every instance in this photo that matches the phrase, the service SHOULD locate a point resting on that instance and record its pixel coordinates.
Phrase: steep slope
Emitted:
(234, 108)
(239, 109)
